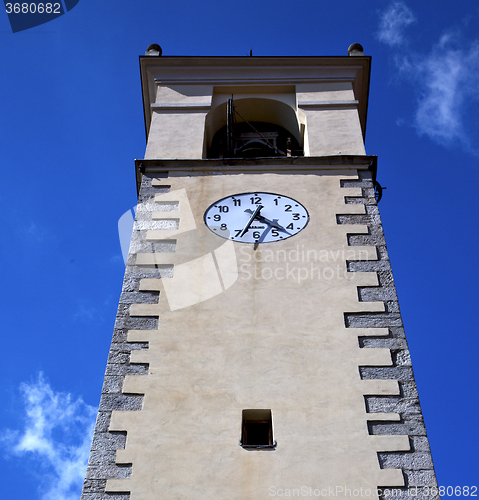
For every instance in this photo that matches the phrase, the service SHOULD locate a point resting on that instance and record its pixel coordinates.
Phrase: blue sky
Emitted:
(71, 125)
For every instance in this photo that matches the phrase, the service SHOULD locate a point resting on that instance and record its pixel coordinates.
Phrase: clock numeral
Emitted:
(223, 208)
(276, 201)
(223, 227)
(287, 208)
(290, 226)
(217, 217)
(238, 232)
(256, 235)
(295, 216)
(237, 203)
(274, 233)
(255, 200)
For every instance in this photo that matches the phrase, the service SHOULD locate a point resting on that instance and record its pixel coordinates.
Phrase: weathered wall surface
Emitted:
(323, 348)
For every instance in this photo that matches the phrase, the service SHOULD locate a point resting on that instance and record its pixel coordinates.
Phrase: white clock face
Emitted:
(256, 217)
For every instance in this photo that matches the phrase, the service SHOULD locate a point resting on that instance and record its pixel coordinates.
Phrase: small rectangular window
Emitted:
(257, 429)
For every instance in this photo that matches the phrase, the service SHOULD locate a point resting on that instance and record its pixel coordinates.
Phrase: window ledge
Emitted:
(258, 446)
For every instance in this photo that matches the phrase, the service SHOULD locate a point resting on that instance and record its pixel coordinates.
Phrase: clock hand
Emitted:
(262, 237)
(251, 219)
(272, 223)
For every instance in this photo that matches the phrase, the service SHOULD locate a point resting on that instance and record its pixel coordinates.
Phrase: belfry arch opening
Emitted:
(253, 128)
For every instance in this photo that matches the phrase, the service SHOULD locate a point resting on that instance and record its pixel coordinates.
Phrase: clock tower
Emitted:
(258, 349)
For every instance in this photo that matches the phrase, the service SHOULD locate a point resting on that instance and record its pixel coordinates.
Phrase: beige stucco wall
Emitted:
(331, 111)
(176, 134)
(263, 339)
(325, 91)
(334, 131)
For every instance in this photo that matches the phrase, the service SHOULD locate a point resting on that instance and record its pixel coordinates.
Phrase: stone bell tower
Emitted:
(258, 349)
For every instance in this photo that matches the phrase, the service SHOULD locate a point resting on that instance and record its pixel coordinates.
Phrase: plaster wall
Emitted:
(185, 94)
(268, 340)
(332, 118)
(334, 131)
(325, 91)
(176, 133)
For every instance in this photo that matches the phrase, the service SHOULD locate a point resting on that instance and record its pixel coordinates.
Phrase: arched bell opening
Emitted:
(253, 128)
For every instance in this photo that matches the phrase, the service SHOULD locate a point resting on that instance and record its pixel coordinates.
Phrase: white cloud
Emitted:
(444, 80)
(392, 23)
(56, 438)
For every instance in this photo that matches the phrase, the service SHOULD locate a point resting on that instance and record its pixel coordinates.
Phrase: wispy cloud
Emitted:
(55, 439)
(443, 78)
(392, 23)
(447, 78)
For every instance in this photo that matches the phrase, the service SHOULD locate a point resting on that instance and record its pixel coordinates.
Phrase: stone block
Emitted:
(118, 357)
(109, 472)
(421, 478)
(407, 460)
(112, 384)
(124, 402)
(408, 428)
(388, 342)
(92, 485)
(368, 266)
(98, 458)
(103, 441)
(137, 323)
(378, 293)
(102, 421)
(105, 496)
(420, 441)
(405, 494)
(139, 297)
(392, 306)
(389, 404)
(130, 369)
(401, 357)
(386, 372)
(372, 320)
(119, 335)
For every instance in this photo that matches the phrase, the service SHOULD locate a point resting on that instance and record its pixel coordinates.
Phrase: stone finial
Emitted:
(153, 50)
(355, 49)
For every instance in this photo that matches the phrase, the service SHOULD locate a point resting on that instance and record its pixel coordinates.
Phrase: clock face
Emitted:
(256, 217)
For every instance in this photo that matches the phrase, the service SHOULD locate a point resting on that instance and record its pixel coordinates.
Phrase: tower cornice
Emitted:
(289, 165)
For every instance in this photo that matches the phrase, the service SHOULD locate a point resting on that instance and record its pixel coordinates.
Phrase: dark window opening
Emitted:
(257, 429)
(254, 140)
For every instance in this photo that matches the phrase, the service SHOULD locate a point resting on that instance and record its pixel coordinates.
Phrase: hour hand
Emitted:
(267, 221)
(254, 215)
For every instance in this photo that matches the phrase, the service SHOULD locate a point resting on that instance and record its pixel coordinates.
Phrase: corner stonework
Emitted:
(103, 464)
(387, 415)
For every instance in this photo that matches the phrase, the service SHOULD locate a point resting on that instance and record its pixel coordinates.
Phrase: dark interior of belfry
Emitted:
(254, 140)
(241, 138)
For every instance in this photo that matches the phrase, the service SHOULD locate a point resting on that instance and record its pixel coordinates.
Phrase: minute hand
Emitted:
(254, 215)
(261, 218)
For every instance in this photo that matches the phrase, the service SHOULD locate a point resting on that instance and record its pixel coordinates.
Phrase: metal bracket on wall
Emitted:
(378, 191)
